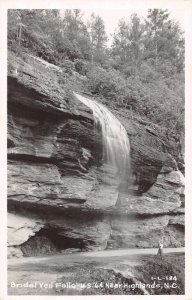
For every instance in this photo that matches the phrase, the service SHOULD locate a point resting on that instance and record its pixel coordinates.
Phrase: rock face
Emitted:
(60, 192)
(146, 232)
(163, 197)
(149, 152)
(144, 219)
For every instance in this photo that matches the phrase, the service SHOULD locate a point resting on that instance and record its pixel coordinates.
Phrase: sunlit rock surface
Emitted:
(21, 228)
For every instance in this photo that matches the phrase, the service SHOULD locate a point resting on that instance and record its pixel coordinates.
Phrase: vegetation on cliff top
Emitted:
(142, 70)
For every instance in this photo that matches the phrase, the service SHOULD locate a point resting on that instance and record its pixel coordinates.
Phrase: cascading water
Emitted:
(116, 147)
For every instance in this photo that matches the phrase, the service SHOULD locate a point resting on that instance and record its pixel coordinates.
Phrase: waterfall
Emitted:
(116, 147)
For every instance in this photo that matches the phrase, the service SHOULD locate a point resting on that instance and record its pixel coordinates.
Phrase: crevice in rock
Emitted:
(20, 110)
(177, 226)
(33, 158)
(10, 143)
(49, 210)
(167, 213)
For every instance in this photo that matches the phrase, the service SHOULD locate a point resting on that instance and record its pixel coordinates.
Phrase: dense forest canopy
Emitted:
(143, 69)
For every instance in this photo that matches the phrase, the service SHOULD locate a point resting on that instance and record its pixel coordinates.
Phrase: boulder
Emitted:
(21, 228)
(14, 252)
(38, 245)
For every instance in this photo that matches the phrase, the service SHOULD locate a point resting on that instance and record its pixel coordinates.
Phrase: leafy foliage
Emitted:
(81, 66)
(143, 68)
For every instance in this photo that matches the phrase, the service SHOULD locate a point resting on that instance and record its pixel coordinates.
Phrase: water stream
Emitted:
(116, 147)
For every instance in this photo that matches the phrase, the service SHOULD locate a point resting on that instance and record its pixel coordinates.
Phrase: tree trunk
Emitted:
(156, 55)
(20, 28)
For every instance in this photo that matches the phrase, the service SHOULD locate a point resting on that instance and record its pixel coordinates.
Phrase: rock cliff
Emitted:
(60, 193)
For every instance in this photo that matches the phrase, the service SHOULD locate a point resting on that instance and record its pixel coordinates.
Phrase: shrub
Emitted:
(67, 66)
(81, 66)
(108, 83)
(147, 92)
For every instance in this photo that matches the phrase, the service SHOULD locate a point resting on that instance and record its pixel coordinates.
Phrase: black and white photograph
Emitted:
(95, 151)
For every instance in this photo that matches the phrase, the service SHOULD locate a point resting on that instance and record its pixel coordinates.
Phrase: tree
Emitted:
(75, 37)
(163, 39)
(72, 23)
(48, 34)
(136, 39)
(37, 29)
(156, 19)
(127, 46)
(121, 41)
(98, 37)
